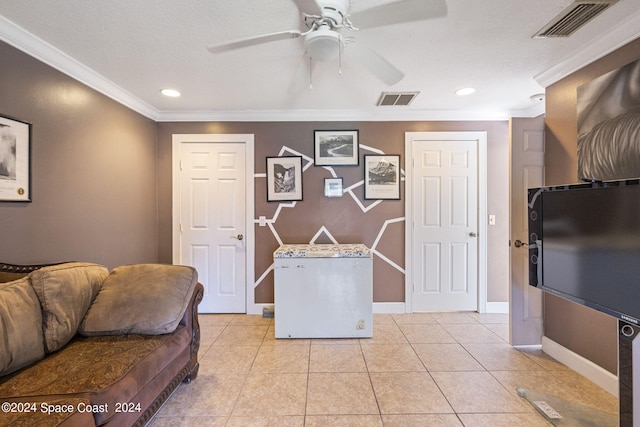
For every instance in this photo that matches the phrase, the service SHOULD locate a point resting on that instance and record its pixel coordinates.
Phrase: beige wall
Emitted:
(591, 334)
(345, 220)
(93, 172)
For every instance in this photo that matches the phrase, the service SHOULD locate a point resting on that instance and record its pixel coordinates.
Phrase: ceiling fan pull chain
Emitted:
(310, 73)
(339, 54)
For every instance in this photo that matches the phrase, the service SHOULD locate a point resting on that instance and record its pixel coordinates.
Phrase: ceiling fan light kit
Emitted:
(323, 44)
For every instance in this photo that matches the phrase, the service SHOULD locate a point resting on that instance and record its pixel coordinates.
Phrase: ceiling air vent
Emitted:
(574, 17)
(396, 98)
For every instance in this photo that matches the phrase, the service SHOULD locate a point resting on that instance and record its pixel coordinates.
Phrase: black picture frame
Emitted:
(336, 148)
(284, 179)
(382, 177)
(15, 160)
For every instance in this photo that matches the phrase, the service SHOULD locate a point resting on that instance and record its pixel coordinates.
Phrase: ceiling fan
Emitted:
(324, 21)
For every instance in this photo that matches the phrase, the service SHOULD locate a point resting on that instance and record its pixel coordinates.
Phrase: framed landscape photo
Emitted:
(15, 160)
(382, 177)
(284, 178)
(336, 148)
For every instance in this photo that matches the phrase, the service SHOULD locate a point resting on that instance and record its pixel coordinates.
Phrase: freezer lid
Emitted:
(352, 250)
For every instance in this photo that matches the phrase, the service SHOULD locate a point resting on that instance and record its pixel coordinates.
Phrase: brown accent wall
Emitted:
(591, 334)
(344, 219)
(93, 171)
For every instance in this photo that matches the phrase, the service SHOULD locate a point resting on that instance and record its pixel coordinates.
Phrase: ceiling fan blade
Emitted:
(251, 41)
(308, 6)
(373, 62)
(399, 12)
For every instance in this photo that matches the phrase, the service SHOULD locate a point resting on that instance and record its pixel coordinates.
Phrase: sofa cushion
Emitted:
(141, 299)
(20, 326)
(65, 292)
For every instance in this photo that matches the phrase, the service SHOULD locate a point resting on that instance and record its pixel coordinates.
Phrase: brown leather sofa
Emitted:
(128, 353)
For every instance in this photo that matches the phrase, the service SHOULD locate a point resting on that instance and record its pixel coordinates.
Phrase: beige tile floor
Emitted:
(438, 369)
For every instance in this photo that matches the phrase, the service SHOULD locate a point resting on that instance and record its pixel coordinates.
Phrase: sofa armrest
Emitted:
(190, 321)
(192, 307)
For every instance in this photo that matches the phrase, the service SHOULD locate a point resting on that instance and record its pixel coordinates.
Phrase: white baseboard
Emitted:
(497, 307)
(584, 367)
(389, 307)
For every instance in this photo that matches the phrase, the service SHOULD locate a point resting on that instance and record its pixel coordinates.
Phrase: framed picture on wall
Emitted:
(333, 187)
(15, 160)
(382, 177)
(284, 178)
(336, 148)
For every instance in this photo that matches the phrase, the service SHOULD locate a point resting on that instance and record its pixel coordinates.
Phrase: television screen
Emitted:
(585, 244)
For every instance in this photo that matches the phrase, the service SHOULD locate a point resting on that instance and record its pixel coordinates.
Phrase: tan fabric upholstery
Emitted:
(65, 292)
(141, 299)
(21, 340)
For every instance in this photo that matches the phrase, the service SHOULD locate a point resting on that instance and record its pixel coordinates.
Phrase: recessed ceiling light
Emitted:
(170, 92)
(465, 91)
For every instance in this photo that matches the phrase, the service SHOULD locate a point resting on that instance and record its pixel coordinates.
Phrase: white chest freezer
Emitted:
(323, 291)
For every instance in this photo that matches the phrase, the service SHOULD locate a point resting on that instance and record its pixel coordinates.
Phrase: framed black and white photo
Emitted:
(284, 178)
(333, 187)
(15, 160)
(382, 177)
(336, 148)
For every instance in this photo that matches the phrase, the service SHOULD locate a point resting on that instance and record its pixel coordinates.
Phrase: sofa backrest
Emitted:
(41, 311)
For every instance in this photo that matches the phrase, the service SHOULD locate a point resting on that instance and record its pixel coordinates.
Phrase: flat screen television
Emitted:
(584, 244)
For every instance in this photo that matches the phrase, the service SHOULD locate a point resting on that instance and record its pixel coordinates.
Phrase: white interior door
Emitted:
(445, 224)
(527, 171)
(212, 226)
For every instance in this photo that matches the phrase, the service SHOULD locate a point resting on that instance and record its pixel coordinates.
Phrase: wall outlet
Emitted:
(492, 220)
(262, 221)
(360, 324)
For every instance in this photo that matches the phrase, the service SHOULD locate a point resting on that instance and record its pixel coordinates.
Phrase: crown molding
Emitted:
(614, 38)
(392, 114)
(21, 39)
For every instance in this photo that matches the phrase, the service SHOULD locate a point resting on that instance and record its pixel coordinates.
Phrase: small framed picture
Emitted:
(333, 187)
(15, 160)
(336, 148)
(382, 177)
(284, 178)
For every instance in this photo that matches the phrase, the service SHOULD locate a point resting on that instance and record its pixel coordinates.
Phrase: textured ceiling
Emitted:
(132, 49)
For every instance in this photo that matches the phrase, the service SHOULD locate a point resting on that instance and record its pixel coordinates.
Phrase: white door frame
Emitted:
(526, 157)
(249, 234)
(481, 138)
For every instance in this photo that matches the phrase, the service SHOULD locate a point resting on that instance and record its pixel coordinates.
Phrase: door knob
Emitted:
(519, 243)
(238, 237)
(473, 234)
